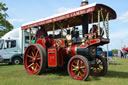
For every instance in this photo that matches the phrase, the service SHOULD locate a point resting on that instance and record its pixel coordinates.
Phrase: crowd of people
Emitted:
(122, 54)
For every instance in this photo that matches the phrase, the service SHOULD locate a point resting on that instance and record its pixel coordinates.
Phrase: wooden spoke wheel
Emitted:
(35, 59)
(78, 67)
(100, 68)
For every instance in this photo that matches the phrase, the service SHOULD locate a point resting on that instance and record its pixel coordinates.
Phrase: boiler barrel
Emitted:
(89, 52)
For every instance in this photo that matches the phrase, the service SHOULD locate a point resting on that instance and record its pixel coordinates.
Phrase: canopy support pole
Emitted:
(98, 22)
(107, 23)
(53, 29)
(30, 35)
(61, 26)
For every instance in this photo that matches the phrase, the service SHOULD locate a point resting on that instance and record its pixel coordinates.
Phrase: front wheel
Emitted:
(100, 68)
(78, 67)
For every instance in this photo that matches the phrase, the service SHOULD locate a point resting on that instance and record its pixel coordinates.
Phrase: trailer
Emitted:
(12, 46)
(79, 54)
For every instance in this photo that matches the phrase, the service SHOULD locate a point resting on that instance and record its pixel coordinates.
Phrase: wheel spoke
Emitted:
(29, 56)
(30, 61)
(83, 70)
(35, 69)
(33, 50)
(81, 63)
(75, 62)
(100, 63)
(32, 54)
(37, 64)
(37, 53)
(30, 65)
(82, 67)
(74, 69)
(74, 66)
(78, 61)
(101, 67)
(74, 72)
(38, 58)
(80, 73)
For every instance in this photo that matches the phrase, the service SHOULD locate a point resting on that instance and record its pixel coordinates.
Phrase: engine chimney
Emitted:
(84, 18)
(84, 2)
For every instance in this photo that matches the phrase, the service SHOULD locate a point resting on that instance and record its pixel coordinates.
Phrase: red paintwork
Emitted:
(89, 35)
(89, 42)
(52, 57)
(28, 61)
(55, 57)
(71, 69)
(58, 43)
(60, 56)
(71, 50)
(25, 48)
(57, 51)
(94, 41)
(41, 41)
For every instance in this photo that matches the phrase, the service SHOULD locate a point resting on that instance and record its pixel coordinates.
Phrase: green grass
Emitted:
(16, 75)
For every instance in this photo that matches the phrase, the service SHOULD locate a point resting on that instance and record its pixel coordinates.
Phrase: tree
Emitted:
(115, 51)
(5, 25)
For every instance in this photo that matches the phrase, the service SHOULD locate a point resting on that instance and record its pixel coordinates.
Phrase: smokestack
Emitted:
(84, 19)
(84, 2)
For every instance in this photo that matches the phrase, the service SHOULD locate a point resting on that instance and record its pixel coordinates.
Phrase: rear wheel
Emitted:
(100, 68)
(35, 59)
(78, 67)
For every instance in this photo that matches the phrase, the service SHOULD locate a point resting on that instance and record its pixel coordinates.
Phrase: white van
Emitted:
(12, 46)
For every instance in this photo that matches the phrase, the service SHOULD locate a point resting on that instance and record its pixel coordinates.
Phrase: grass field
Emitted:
(16, 75)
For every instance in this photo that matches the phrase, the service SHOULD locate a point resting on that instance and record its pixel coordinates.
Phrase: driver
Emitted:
(41, 33)
(75, 34)
(94, 29)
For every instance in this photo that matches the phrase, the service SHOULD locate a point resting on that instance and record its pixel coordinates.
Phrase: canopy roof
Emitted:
(73, 17)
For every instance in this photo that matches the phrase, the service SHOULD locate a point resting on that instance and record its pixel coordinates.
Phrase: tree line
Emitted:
(5, 25)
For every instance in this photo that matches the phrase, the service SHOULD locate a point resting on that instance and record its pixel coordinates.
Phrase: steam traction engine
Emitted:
(79, 53)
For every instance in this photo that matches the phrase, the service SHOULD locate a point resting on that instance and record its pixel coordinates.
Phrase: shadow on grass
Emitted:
(115, 74)
(4, 64)
(114, 63)
(61, 72)
(110, 74)
(7, 64)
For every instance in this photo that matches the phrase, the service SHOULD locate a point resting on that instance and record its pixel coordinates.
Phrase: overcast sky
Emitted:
(22, 11)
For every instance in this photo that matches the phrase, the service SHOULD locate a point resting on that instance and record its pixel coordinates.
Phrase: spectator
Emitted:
(123, 54)
(119, 53)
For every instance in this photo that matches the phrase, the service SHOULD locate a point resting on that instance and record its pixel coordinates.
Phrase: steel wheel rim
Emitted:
(32, 60)
(78, 68)
(98, 68)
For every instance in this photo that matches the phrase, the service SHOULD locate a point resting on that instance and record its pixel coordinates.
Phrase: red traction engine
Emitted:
(78, 53)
